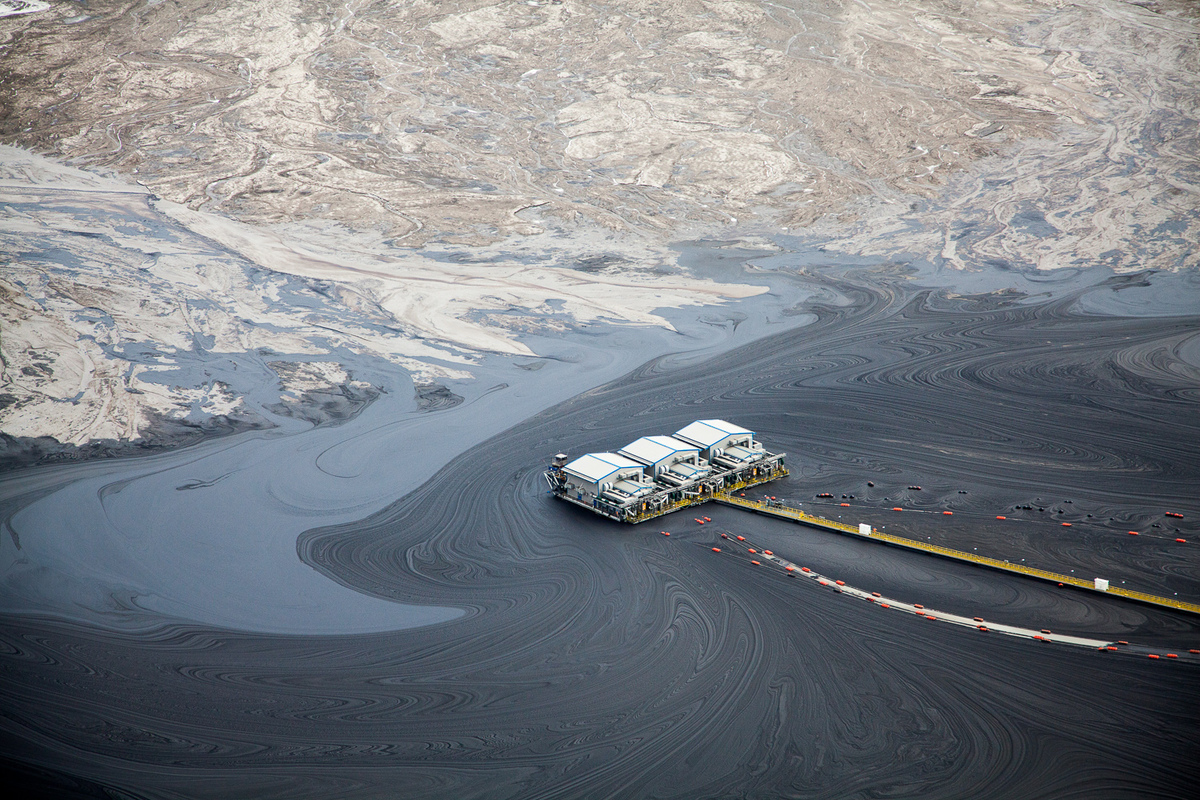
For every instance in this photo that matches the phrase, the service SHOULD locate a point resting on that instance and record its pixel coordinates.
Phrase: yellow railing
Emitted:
(785, 511)
(1008, 566)
(1182, 605)
(701, 499)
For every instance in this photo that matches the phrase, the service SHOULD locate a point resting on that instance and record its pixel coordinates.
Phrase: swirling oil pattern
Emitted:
(597, 660)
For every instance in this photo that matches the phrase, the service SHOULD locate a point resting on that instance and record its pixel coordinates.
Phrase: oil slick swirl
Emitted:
(602, 660)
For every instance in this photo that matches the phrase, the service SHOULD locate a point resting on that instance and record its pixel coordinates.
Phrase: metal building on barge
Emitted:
(656, 475)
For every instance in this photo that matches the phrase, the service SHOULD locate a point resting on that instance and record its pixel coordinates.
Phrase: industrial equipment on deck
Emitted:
(656, 475)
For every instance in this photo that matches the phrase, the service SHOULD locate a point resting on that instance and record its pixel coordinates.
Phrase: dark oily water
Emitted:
(597, 660)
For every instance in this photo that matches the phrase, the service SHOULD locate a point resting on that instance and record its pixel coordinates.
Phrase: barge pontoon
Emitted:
(656, 475)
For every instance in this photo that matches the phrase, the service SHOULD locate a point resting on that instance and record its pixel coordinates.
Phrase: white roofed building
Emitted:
(717, 438)
(655, 475)
(667, 459)
(606, 475)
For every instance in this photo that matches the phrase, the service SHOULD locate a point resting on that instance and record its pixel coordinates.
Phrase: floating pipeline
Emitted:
(1100, 586)
(917, 609)
(1046, 636)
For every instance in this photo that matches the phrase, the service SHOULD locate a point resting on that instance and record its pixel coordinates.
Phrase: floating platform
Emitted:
(657, 475)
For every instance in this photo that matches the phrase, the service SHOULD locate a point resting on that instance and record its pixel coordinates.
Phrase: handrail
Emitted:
(947, 552)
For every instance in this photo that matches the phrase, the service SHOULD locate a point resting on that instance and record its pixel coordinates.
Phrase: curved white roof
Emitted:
(652, 449)
(707, 432)
(595, 467)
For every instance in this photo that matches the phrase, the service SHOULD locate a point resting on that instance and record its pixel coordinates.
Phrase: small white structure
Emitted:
(606, 475)
(722, 442)
(1102, 584)
(864, 529)
(668, 460)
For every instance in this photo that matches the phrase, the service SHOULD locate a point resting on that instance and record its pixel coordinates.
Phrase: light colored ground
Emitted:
(13, 7)
(371, 145)
(448, 121)
(106, 287)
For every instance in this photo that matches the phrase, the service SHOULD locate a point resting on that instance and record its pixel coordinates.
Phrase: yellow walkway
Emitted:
(795, 515)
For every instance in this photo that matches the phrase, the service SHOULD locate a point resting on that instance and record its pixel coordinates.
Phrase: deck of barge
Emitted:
(660, 504)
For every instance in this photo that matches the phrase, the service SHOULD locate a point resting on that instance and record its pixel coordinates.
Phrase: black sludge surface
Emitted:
(607, 661)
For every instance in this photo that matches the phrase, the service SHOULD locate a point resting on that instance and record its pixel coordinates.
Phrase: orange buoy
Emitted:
(1194, 651)
(930, 616)
(1133, 533)
(917, 605)
(755, 562)
(752, 550)
(1066, 524)
(767, 553)
(1001, 517)
(897, 508)
(741, 538)
(948, 513)
(1174, 514)
(870, 599)
(1110, 647)
(805, 569)
(1036, 636)
(1172, 655)
(823, 583)
(840, 583)
(716, 549)
(983, 628)
(790, 569)
(1060, 584)
(845, 505)
(978, 619)
(724, 535)
(1154, 656)
(1046, 631)
(876, 594)
(664, 533)
(884, 605)
(706, 519)
(1122, 641)
(1182, 540)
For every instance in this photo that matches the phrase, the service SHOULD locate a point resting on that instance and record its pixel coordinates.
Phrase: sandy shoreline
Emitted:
(120, 309)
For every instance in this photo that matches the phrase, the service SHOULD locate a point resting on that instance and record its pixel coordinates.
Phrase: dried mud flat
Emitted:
(444, 171)
(444, 121)
(466, 122)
